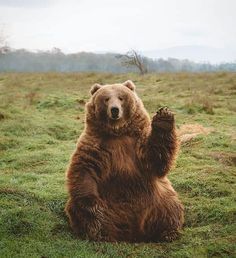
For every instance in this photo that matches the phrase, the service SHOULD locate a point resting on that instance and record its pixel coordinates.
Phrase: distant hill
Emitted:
(195, 53)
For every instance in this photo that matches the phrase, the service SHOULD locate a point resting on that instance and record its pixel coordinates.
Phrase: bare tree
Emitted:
(133, 58)
(4, 48)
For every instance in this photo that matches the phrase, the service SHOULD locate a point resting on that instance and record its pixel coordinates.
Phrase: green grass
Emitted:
(41, 117)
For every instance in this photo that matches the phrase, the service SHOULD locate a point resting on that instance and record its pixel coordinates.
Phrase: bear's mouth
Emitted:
(114, 119)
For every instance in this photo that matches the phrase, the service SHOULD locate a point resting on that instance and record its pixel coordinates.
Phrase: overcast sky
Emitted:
(118, 25)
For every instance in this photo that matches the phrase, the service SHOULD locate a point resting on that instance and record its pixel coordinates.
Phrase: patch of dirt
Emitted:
(227, 158)
(188, 132)
(233, 136)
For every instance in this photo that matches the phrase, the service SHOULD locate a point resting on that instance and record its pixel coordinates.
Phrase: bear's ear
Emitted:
(94, 88)
(129, 84)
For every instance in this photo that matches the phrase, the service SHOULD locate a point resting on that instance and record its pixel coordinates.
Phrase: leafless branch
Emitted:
(3, 40)
(133, 58)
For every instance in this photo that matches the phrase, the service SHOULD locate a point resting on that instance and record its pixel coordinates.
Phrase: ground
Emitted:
(41, 116)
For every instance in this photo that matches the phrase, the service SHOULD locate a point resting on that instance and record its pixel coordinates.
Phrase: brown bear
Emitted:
(118, 189)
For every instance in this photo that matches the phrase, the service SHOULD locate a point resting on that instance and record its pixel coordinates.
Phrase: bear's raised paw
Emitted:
(164, 119)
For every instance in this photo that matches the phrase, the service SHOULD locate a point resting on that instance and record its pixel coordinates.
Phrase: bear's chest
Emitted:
(122, 155)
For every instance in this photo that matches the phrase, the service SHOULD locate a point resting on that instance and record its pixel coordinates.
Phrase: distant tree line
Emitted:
(22, 60)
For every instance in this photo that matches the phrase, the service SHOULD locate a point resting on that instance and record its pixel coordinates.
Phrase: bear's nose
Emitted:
(114, 112)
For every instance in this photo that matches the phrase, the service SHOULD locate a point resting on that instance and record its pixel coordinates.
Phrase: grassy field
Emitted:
(42, 115)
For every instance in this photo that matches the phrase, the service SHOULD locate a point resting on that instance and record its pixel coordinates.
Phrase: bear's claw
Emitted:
(165, 113)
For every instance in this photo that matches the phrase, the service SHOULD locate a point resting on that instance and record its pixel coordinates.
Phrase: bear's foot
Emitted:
(163, 119)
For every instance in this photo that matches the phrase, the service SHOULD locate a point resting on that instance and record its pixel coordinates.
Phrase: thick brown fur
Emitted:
(118, 189)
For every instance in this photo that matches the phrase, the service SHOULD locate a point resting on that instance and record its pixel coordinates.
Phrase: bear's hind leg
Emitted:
(90, 222)
(160, 225)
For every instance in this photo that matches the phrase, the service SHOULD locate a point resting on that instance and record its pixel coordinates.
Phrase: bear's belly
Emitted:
(124, 182)
(124, 189)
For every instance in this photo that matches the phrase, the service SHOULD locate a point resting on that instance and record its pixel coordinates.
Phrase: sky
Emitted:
(118, 25)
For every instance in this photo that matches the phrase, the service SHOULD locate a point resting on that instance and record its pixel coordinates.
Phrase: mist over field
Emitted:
(55, 60)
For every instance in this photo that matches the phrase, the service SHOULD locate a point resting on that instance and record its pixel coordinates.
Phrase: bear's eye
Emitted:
(120, 98)
(106, 99)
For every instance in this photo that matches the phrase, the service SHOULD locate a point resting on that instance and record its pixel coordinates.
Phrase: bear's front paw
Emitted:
(164, 119)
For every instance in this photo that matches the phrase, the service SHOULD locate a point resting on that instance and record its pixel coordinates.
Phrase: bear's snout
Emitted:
(115, 112)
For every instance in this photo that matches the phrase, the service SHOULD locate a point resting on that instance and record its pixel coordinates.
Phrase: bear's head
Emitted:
(113, 108)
